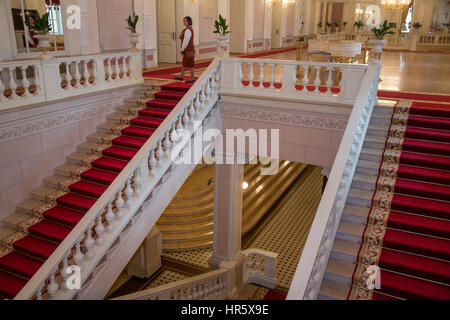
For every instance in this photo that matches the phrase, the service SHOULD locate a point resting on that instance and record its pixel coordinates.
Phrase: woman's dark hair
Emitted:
(189, 20)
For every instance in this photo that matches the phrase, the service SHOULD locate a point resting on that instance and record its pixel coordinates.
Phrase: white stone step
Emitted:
(331, 290)
(368, 167)
(29, 204)
(106, 127)
(370, 154)
(378, 129)
(116, 118)
(75, 158)
(355, 213)
(6, 231)
(350, 231)
(360, 197)
(383, 109)
(15, 218)
(345, 250)
(339, 271)
(66, 169)
(42, 192)
(54, 180)
(364, 181)
(374, 142)
(88, 147)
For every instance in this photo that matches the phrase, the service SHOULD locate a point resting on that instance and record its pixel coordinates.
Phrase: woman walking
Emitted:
(187, 48)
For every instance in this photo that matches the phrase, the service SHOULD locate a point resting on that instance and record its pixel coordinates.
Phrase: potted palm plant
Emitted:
(328, 27)
(222, 31)
(42, 26)
(344, 24)
(132, 22)
(358, 24)
(379, 33)
(413, 40)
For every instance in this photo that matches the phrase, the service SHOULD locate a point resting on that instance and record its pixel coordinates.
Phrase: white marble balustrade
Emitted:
(24, 83)
(260, 267)
(89, 242)
(209, 286)
(305, 80)
(314, 258)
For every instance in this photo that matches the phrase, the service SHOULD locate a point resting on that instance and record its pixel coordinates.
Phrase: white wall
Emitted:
(238, 21)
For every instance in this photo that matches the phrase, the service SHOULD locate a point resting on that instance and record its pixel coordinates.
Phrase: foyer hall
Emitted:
(86, 139)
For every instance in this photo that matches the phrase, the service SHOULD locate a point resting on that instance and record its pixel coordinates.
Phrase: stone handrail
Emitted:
(212, 285)
(296, 80)
(89, 241)
(27, 82)
(260, 267)
(314, 258)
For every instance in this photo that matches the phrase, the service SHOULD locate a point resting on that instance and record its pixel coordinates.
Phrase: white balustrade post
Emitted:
(329, 82)
(78, 256)
(317, 79)
(116, 68)
(152, 163)
(53, 286)
(138, 179)
(261, 74)
(129, 193)
(110, 217)
(2, 87)
(99, 230)
(12, 82)
(89, 242)
(64, 76)
(120, 203)
(305, 79)
(25, 82)
(84, 72)
(241, 73)
(272, 74)
(110, 72)
(251, 75)
(160, 153)
(77, 75)
(288, 79)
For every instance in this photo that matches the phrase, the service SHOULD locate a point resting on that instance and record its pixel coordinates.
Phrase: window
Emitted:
(406, 26)
(26, 39)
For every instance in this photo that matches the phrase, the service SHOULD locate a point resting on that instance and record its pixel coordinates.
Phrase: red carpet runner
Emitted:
(408, 229)
(41, 235)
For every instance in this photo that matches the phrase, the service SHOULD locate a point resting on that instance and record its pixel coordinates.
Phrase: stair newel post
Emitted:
(25, 82)
(78, 256)
(152, 162)
(329, 82)
(89, 242)
(53, 287)
(120, 203)
(99, 229)
(12, 83)
(138, 180)
(110, 217)
(129, 192)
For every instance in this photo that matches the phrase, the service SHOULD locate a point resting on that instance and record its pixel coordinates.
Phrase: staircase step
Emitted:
(424, 207)
(63, 216)
(154, 113)
(119, 153)
(181, 229)
(424, 174)
(345, 250)
(340, 271)
(374, 142)
(29, 204)
(429, 147)
(350, 231)
(360, 197)
(99, 176)
(15, 218)
(369, 154)
(42, 192)
(176, 87)
(364, 181)
(425, 160)
(355, 213)
(368, 167)
(430, 109)
(77, 158)
(146, 122)
(89, 147)
(129, 142)
(428, 122)
(138, 132)
(169, 95)
(428, 134)
(50, 231)
(66, 169)
(20, 265)
(378, 129)
(162, 104)
(88, 189)
(109, 164)
(422, 189)
(10, 285)
(332, 290)
(37, 248)
(419, 224)
(76, 202)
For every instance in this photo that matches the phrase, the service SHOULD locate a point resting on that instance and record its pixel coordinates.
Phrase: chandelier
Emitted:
(395, 4)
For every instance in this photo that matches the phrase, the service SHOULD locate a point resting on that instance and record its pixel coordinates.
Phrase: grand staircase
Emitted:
(188, 221)
(30, 235)
(397, 214)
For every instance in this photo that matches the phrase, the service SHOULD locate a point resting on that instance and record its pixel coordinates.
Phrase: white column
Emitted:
(224, 8)
(147, 259)
(148, 29)
(267, 25)
(249, 24)
(228, 196)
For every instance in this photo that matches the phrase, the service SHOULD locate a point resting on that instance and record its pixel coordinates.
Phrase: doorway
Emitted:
(167, 40)
(276, 25)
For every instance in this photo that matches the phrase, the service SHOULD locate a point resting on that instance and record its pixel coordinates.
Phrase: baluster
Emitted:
(249, 262)
(192, 114)
(12, 83)
(217, 79)
(186, 118)
(213, 84)
(64, 76)
(198, 105)
(137, 181)
(120, 203)
(78, 256)
(261, 74)
(25, 82)
(173, 134)
(116, 68)
(89, 242)
(129, 193)
(109, 73)
(272, 74)
(39, 294)
(241, 74)
(305, 79)
(180, 123)
(110, 217)
(2, 87)
(202, 95)
(159, 153)
(294, 77)
(329, 82)
(99, 229)
(251, 76)
(167, 143)
(152, 162)
(36, 81)
(207, 90)
(84, 73)
(127, 66)
(317, 79)
(53, 287)
(94, 73)
(64, 272)
(77, 76)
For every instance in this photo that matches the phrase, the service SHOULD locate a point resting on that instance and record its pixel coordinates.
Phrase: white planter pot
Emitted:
(134, 38)
(413, 43)
(377, 47)
(223, 47)
(44, 44)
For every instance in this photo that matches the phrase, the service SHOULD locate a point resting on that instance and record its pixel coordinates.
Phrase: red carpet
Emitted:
(170, 73)
(408, 228)
(43, 237)
(274, 295)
